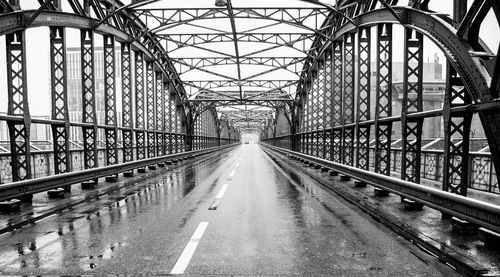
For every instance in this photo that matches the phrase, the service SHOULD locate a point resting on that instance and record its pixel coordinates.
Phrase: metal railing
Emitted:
(482, 172)
(479, 212)
(31, 186)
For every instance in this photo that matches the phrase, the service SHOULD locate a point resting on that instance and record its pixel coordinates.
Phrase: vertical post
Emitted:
(337, 102)
(127, 116)
(348, 101)
(327, 103)
(307, 117)
(173, 122)
(59, 96)
(88, 96)
(168, 118)
(383, 105)
(456, 170)
(150, 110)
(139, 107)
(412, 102)
(160, 114)
(19, 132)
(110, 103)
(363, 103)
(313, 111)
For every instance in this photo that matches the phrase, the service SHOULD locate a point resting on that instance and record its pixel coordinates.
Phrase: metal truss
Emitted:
(290, 64)
(326, 117)
(88, 97)
(59, 95)
(297, 41)
(110, 100)
(195, 87)
(169, 18)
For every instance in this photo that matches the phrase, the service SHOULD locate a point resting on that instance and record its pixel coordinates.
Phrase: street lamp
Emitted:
(220, 3)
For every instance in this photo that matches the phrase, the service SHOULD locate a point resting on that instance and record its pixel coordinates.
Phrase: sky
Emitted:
(38, 49)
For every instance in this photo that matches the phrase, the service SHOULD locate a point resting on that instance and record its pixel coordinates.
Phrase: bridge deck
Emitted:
(261, 222)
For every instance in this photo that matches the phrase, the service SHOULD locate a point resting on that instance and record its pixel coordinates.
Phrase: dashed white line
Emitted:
(183, 261)
(232, 173)
(221, 192)
(237, 164)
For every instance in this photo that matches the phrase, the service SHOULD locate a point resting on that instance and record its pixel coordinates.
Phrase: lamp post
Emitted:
(220, 3)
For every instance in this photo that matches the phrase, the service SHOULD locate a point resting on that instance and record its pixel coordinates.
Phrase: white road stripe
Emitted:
(232, 173)
(187, 254)
(221, 192)
(237, 164)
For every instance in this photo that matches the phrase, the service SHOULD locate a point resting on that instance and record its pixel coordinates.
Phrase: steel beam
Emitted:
(363, 102)
(412, 102)
(139, 107)
(59, 96)
(19, 132)
(110, 100)
(88, 99)
(456, 171)
(127, 116)
(348, 100)
(383, 105)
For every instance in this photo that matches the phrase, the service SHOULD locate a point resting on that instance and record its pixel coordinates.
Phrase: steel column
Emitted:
(412, 102)
(139, 106)
(19, 132)
(457, 125)
(337, 102)
(127, 116)
(59, 96)
(150, 109)
(160, 114)
(327, 104)
(110, 100)
(88, 96)
(348, 101)
(363, 103)
(383, 105)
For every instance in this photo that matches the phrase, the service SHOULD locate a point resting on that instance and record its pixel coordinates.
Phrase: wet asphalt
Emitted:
(266, 222)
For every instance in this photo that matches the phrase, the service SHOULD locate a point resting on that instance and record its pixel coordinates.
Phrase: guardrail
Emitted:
(27, 187)
(481, 171)
(478, 212)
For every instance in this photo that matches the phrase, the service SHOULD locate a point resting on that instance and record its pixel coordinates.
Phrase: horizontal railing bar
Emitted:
(31, 186)
(17, 118)
(479, 212)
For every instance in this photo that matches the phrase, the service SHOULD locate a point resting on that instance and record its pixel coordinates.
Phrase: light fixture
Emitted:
(220, 3)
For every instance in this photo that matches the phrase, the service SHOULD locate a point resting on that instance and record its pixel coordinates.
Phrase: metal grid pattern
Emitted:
(457, 125)
(59, 95)
(18, 105)
(150, 110)
(127, 117)
(88, 98)
(321, 75)
(139, 107)
(383, 104)
(160, 98)
(110, 100)
(348, 101)
(337, 102)
(412, 103)
(363, 100)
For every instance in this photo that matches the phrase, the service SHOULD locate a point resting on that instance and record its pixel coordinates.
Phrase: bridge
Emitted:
(235, 137)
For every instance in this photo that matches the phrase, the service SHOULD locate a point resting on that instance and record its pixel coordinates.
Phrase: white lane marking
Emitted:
(237, 164)
(187, 254)
(232, 173)
(221, 192)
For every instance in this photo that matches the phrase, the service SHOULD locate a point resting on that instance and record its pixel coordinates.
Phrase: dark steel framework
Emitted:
(352, 136)
(154, 110)
(325, 110)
